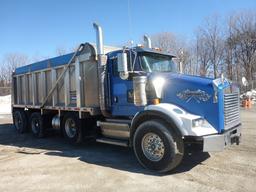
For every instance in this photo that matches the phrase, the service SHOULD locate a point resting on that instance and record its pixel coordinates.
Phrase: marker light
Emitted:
(156, 101)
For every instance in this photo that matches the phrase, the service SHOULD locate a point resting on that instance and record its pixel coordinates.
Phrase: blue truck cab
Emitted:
(137, 99)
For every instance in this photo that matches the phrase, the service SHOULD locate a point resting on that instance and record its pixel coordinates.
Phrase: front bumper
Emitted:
(214, 142)
(218, 142)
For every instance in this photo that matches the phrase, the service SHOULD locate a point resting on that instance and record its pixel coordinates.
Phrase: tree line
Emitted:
(219, 47)
(11, 61)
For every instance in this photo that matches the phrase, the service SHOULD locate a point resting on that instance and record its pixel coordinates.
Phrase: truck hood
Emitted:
(194, 94)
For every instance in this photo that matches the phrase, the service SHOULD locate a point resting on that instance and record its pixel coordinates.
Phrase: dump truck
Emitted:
(131, 96)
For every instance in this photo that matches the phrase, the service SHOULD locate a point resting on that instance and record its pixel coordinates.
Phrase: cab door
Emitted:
(121, 92)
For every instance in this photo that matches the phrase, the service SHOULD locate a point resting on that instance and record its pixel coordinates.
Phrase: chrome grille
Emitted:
(231, 110)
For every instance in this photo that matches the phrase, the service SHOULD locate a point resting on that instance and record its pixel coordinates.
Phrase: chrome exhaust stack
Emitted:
(102, 60)
(99, 39)
(147, 42)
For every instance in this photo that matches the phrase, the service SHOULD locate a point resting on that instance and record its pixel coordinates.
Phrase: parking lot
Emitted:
(50, 164)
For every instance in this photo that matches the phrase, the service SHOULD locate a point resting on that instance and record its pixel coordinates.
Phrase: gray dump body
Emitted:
(78, 90)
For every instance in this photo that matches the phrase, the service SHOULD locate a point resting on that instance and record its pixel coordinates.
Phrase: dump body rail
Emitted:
(62, 75)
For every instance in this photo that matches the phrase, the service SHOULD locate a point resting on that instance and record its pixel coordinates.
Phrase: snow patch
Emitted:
(250, 95)
(5, 104)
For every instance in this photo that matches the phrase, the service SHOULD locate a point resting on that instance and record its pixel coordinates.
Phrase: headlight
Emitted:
(158, 84)
(199, 122)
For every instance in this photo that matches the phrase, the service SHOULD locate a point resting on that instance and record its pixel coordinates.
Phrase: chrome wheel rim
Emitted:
(152, 147)
(70, 128)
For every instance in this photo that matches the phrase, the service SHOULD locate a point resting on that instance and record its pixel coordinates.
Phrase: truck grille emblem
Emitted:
(197, 95)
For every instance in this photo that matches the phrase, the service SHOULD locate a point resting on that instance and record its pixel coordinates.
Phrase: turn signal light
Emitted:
(156, 101)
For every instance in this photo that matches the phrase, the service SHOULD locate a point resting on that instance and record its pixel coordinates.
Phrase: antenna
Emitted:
(129, 19)
(130, 43)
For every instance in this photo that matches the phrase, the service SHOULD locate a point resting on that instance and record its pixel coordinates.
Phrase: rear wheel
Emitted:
(156, 147)
(37, 125)
(20, 121)
(71, 127)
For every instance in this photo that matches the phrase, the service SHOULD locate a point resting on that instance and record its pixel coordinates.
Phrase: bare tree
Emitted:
(170, 43)
(61, 51)
(229, 52)
(202, 54)
(213, 43)
(9, 63)
(242, 44)
(166, 41)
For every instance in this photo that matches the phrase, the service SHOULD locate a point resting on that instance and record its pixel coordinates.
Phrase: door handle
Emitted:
(116, 99)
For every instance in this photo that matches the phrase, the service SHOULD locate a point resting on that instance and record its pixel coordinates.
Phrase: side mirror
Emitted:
(122, 65)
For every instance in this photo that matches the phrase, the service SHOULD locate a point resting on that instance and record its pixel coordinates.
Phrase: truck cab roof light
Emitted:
(157, 49)
(140, 45)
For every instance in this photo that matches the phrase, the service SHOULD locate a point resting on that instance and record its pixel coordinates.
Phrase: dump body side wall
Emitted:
(78, 88)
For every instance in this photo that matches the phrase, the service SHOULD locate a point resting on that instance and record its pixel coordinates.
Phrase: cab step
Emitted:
(113, 141)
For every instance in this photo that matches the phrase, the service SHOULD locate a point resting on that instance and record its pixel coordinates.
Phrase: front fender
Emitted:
(160, 111)
(172, 111)
(173, 114)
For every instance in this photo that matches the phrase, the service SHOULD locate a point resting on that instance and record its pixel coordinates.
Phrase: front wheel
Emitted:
(156, 147)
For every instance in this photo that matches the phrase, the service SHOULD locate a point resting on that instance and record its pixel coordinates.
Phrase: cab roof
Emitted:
(142, 49)
(64, 59)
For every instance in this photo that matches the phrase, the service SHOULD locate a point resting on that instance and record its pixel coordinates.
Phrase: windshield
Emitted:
(151, 62)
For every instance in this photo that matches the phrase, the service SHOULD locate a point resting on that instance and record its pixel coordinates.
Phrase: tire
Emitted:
(71, 128)
(37, 125)
(20, 121)
(156, 147)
